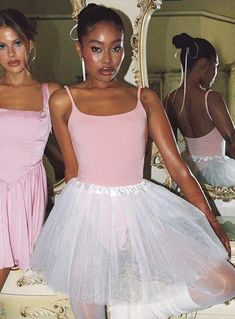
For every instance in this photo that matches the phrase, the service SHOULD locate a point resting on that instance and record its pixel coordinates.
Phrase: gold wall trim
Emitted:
(139, 40)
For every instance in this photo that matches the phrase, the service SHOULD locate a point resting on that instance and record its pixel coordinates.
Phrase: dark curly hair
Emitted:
(93, 14)
(196, 48)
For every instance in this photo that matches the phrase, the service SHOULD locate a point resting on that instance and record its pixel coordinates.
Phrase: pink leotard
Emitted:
(101, 162)
(209, 146)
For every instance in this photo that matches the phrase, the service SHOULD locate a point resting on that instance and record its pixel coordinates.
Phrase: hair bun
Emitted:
(182, 41)
(89, 7)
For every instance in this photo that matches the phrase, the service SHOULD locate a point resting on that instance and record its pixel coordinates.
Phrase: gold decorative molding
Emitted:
(139, 39)
(58, 187)
(30, 280)
(157, 161)
(225, 194)
(191, 315)
(58, 310)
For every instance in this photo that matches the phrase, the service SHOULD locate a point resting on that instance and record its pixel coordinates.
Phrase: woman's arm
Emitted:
(60, 109)
(222, 120)
(52, 86)
(162, 135)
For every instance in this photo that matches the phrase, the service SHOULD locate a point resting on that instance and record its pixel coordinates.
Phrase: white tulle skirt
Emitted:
(132, 244)
(215, 170)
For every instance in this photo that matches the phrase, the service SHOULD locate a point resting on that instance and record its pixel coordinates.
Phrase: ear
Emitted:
(204, 64)
(78, 48)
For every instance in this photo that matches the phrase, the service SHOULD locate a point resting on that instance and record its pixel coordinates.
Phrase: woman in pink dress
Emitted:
(114, 238)
(202, 115)
(24, 129)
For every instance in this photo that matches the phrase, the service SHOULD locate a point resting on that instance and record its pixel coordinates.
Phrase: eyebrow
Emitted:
(100, 42)
(16, 39)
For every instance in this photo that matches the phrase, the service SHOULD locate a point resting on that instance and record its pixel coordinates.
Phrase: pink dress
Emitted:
(114, 237)
(23, 185)
(206, 157)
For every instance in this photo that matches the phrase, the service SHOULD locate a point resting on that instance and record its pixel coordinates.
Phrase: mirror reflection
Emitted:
(164, 74)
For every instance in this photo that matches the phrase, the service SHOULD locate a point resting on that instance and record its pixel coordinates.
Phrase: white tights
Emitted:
(217, 287)
(87, 311)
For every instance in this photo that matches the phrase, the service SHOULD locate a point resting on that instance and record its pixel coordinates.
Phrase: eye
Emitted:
(18, 43)
(96, 49)
(2, 46)
(117, 48)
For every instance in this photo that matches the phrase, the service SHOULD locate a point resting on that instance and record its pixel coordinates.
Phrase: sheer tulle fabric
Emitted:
(132, 244)
(216, 170)
(219, 172)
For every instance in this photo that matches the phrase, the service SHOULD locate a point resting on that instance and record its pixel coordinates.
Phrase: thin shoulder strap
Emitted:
(46, 96)
(138, 93)
(69, 94)
(206, 104)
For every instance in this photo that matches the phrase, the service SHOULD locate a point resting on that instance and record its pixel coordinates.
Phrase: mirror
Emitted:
(205, 19)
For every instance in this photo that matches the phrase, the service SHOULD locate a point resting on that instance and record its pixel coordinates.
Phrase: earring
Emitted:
(32, 53)
(83, 69)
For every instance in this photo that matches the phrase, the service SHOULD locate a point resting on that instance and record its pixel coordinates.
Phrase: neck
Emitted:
(92, 84)
(193, 81)
(23, 78)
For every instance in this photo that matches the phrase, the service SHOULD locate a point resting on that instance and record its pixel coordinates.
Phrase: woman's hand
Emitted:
(219, 232)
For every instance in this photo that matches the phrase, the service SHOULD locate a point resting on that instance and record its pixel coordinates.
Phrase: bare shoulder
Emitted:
(215, 100)
(60, 102)
(53, 86)
(215, 96)
(150, 100)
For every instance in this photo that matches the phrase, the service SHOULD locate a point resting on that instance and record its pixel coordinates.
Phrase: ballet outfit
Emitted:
(114, 238)
(206, 157)
(23, 184)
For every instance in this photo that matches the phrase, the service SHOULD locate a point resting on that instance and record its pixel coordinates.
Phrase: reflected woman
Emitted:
(201, 114)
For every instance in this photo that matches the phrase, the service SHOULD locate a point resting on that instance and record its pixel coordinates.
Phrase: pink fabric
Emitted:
(23, 185)
(97, 159)
(211, 144)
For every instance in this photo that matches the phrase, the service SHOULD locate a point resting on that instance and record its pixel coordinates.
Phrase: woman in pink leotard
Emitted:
(24, 129)
(202, 115)
(114, 238)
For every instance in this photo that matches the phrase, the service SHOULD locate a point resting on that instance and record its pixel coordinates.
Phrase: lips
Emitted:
(107, 71)
(14, 63)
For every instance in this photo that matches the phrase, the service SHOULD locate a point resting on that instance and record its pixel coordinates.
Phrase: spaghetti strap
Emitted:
(206, 104)
(69, 94)
(139, 93)
(46, 96)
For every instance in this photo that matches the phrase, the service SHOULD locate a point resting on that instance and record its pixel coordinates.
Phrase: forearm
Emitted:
(70, 172)
(191, 190)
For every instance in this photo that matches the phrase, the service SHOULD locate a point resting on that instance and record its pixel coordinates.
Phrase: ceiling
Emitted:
(63, 7)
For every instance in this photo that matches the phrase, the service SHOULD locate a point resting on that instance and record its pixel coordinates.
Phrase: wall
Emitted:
(56, 56)
(219, 30)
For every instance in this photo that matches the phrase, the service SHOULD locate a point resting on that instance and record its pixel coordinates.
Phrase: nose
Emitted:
(107, 58)
(11, 52)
